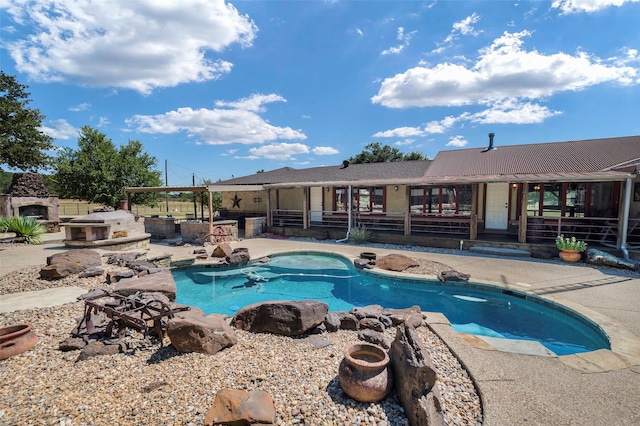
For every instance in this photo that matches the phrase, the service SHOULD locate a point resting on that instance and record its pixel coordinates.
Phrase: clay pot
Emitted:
(368, 255)
(16, 339)
(570, 256)
(364, 373)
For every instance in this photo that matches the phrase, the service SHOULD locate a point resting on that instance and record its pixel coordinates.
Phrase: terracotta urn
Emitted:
(365, 374)
(570, 256)
(15, 339)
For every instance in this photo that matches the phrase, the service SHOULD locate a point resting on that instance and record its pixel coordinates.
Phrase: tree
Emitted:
(98, 172)
(22, 144)
(376, 153)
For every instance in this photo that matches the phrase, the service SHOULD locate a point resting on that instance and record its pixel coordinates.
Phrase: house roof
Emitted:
(331, 175)
(609, 158)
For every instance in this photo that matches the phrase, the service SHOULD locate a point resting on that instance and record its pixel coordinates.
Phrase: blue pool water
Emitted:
(471, 308)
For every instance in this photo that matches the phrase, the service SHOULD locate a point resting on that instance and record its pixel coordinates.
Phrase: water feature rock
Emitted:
(398, 316)
(332, 321)
(599, 257)
(222, 250)
(239, 407)
(285, 317)
(369, 311)
(364, 264)
(371, 324)
(238, 258)
(194, 333)
(415, 376)
(70, 262)
(453, 276)
(395, 262)
(161, 282)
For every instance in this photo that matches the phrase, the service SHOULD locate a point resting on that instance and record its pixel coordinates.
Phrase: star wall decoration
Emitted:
(236, 201)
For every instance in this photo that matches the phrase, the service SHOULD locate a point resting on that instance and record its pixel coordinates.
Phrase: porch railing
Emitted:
(450, 224)
(595, 230)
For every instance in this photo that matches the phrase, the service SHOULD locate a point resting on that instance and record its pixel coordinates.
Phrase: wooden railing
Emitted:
(450, 224)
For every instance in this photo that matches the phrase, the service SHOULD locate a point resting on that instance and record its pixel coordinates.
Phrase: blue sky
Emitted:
(221, 89)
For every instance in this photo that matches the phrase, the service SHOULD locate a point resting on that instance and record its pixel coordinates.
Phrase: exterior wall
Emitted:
(254, 226)
(160, 227)
(250, 201)
(224, 231)
(291, 199)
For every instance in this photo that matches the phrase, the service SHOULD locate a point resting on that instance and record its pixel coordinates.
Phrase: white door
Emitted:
(497, 208)
(316, 204)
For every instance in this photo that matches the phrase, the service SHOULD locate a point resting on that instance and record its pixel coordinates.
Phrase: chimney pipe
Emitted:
(490, 147)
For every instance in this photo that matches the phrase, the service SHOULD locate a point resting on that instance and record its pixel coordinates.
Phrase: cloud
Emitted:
(103, 121)
(60, 129)
(431, 127)
(408, 141)
(510, 111)
(278, 151)
(140, 45)
(231, 122)
(325, 150)
(81, 107)
(588, 6)
(502, 70)
(404, 39)
(464, 27)
(457, 141)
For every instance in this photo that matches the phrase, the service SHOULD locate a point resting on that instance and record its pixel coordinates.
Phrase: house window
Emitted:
(576, 199)
(369, 199)
(449, 199)
(552, 199)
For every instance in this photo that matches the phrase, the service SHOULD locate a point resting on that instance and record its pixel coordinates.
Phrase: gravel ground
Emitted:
(156, 385)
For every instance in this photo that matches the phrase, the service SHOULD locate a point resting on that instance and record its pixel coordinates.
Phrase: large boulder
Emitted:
(195, 333)
(285, 317)
(239, 407)
(238, 258)
(61, 265)
(161, 282)
(599, 257)
(415, 377)
(395, 262)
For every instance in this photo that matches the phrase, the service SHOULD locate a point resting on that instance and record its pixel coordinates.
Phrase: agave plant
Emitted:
(359, 235)
(27, 227)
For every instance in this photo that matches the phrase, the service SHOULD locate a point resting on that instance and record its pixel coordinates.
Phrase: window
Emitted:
(449, 199)
(576, 199)
(552, 199)
(366, 199)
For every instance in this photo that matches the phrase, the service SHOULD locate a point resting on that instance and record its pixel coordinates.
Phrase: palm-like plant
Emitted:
(359, 235)
(27, 227)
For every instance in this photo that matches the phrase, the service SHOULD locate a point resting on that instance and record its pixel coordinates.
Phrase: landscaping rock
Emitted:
(332, 321)
(415, 376)
(70, 262)
(97, 348)
(222, 250)
(114, 277)
(161, 282)
(370, 311)
(236, 407)
(398, 316)
(238, 258)
(371, 324)
(599, 257)
(289, 318)
(395, 262)
(453, 276)
(195, 333)
(375, 338)
(364, 264)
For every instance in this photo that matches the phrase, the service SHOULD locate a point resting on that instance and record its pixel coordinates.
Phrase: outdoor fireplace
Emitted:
(27, 196)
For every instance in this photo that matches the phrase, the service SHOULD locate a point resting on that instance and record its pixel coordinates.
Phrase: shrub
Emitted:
(359, 235)
(27, 227)
(572, 244)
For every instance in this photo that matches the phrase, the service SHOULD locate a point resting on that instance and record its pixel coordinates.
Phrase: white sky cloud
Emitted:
(502, 70)
(404, 39)
(510, 111)
(463, 27)
(60, 129)
(457, 141)
(588, 6)
(238, 123)
(325, 150)
(279, 151)
(404, 142)
(103, 121)
(139, 45)
(80, 107)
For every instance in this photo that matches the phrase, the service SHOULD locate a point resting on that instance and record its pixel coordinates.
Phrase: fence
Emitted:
(175, 208)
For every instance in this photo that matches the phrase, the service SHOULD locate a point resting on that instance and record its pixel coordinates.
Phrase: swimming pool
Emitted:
(471, 308)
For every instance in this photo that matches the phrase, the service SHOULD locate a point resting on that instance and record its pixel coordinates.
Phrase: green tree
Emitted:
(22, 144)
(98, 172)
(376, 153)
(216, 197)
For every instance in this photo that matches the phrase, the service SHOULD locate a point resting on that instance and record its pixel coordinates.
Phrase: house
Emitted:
(519, 194)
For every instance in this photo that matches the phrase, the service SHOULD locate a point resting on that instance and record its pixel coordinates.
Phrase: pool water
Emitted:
(471, 308)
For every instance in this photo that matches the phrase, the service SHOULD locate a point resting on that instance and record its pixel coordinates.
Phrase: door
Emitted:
(497, 207)
(315, 204)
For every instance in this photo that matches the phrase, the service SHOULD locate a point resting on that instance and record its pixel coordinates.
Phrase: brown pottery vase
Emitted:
(365, 374)
(570, 256)
(16, 339)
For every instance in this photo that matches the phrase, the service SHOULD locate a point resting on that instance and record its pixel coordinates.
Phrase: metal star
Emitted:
(236, 201)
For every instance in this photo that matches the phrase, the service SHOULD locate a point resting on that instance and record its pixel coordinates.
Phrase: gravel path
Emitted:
(150, 385)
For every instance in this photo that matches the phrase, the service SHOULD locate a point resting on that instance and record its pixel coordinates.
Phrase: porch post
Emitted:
(305, 208)
(269, 218)
(473, 225)
(210, 216)
(522, 229)
(407, 213)
(622, 239)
